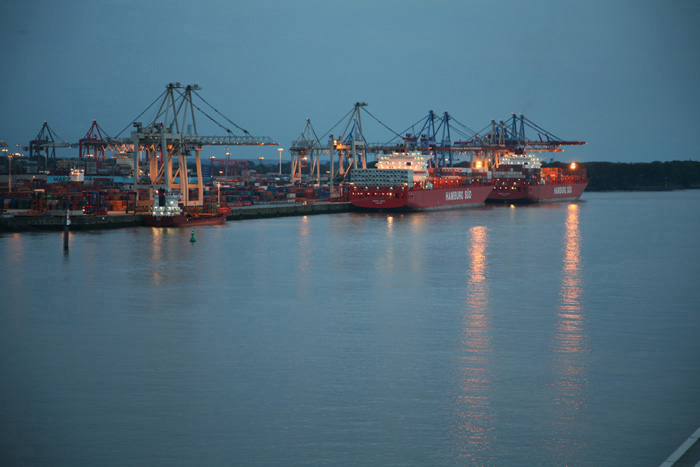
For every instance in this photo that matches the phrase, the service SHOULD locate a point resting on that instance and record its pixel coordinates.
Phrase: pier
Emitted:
(22, 222)
(15, 222)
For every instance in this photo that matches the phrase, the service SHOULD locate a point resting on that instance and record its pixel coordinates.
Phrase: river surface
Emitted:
(555, 334)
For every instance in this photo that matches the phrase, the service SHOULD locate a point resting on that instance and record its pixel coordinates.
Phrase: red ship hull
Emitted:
(183, 220)
(523, 192)
(386, 199)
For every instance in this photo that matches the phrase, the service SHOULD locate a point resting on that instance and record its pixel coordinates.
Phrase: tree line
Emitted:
(608, 176)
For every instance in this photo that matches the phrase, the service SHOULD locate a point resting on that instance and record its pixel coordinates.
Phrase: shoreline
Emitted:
(16, 221)
(641, 188)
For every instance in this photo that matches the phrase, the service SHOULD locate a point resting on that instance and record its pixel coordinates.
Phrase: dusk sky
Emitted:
(622, 75)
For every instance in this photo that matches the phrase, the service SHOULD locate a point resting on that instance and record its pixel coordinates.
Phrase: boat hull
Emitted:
(383, 199)
(183, 220)
(526, 193)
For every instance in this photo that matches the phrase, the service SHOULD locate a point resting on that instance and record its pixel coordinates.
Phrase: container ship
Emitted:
(522, 179)
(166, 212)
(403, 182)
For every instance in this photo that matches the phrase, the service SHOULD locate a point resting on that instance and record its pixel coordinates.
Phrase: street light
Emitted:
(18, 153)
(280, 150)
(211, 158)
(262, 167)
(9, 169)
(9, 164)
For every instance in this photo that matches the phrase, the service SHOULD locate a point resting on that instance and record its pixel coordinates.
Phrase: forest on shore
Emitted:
(609, 176)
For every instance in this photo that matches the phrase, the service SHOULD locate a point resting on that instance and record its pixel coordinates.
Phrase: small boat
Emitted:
(166, 212)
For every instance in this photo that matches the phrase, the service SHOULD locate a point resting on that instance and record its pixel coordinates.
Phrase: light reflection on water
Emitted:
(164, 260)
(475, 414)
(417, 250)
(15, 252)
(385, 262)
(568, 389)
(498, 336)
(305, 254)
(156, 255)
(304, 246)
(570, 337)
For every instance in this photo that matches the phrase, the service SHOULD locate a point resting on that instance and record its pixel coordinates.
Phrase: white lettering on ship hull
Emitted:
(563, 190)
(458, 195)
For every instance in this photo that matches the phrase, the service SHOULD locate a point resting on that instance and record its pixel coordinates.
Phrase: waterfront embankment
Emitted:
(20, 221)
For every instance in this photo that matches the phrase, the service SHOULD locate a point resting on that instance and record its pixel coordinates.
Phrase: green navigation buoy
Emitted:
(192, 239)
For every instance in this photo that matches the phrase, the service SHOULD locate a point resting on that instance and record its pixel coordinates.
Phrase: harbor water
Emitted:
(552, 334)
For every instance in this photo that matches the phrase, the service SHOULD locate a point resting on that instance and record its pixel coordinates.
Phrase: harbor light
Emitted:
(9, 167)
(573, 166)
(280, 151)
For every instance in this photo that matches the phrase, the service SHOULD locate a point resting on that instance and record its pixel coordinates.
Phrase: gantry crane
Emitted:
(426, 139)
(350, 147)
(94, 143)
(351, 144)
(306, 152)
(47, 141)
(433, 138)
(484, 147)
(498, 139)
(172, 135)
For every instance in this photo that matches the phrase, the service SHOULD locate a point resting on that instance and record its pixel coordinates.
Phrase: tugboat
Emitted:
(166, 212)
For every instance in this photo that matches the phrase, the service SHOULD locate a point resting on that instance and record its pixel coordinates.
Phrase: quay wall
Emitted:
(29, 223)
(281, 210)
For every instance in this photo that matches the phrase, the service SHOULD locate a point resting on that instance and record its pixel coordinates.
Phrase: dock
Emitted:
(20, 221)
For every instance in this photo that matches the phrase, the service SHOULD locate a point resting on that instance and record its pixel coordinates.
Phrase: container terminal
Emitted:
(163, 155)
